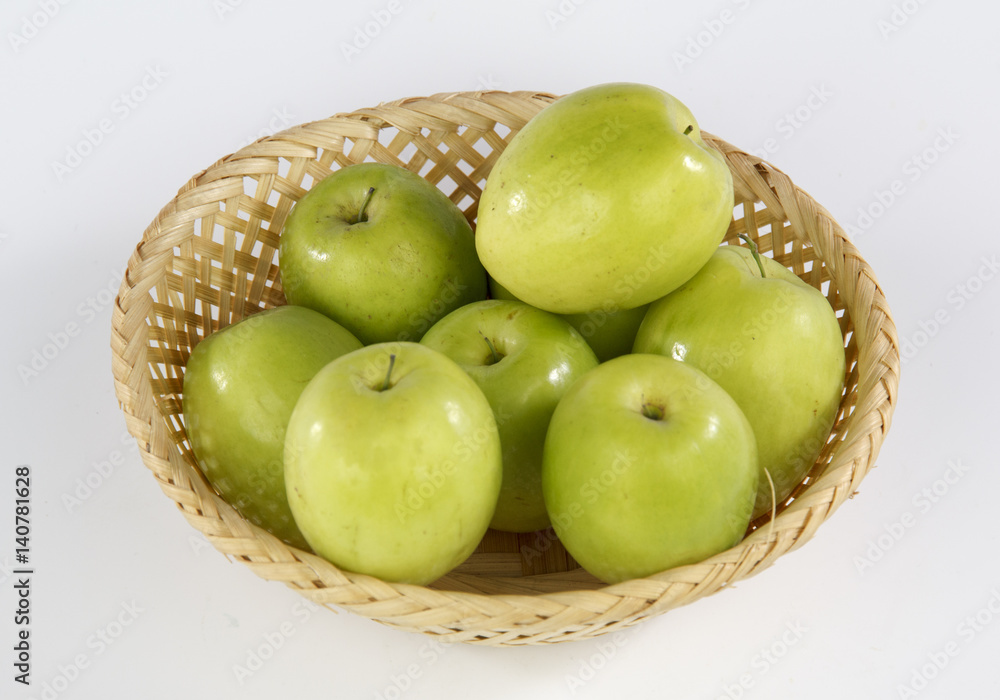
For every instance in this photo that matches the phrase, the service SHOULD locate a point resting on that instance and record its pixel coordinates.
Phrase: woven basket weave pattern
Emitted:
(209, 258)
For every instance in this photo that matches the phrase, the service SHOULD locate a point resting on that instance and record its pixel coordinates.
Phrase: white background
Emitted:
(852, 99)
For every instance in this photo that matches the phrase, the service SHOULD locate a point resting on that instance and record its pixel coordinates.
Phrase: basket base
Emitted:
(518, 563)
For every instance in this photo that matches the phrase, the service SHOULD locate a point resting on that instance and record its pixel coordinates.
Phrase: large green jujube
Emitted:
(606, 199)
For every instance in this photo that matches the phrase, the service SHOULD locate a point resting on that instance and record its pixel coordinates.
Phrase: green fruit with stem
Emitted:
(380, 250)
(648, 465)
(393, 463)
(524, 360)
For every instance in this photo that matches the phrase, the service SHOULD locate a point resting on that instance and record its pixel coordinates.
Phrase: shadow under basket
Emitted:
(210, 258)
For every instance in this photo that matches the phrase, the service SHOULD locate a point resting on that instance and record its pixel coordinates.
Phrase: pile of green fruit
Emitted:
(591, 359)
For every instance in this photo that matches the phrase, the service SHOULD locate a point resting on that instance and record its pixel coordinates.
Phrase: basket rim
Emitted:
(877, 343)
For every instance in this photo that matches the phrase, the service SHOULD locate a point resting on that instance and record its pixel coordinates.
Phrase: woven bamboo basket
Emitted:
(209, 258)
